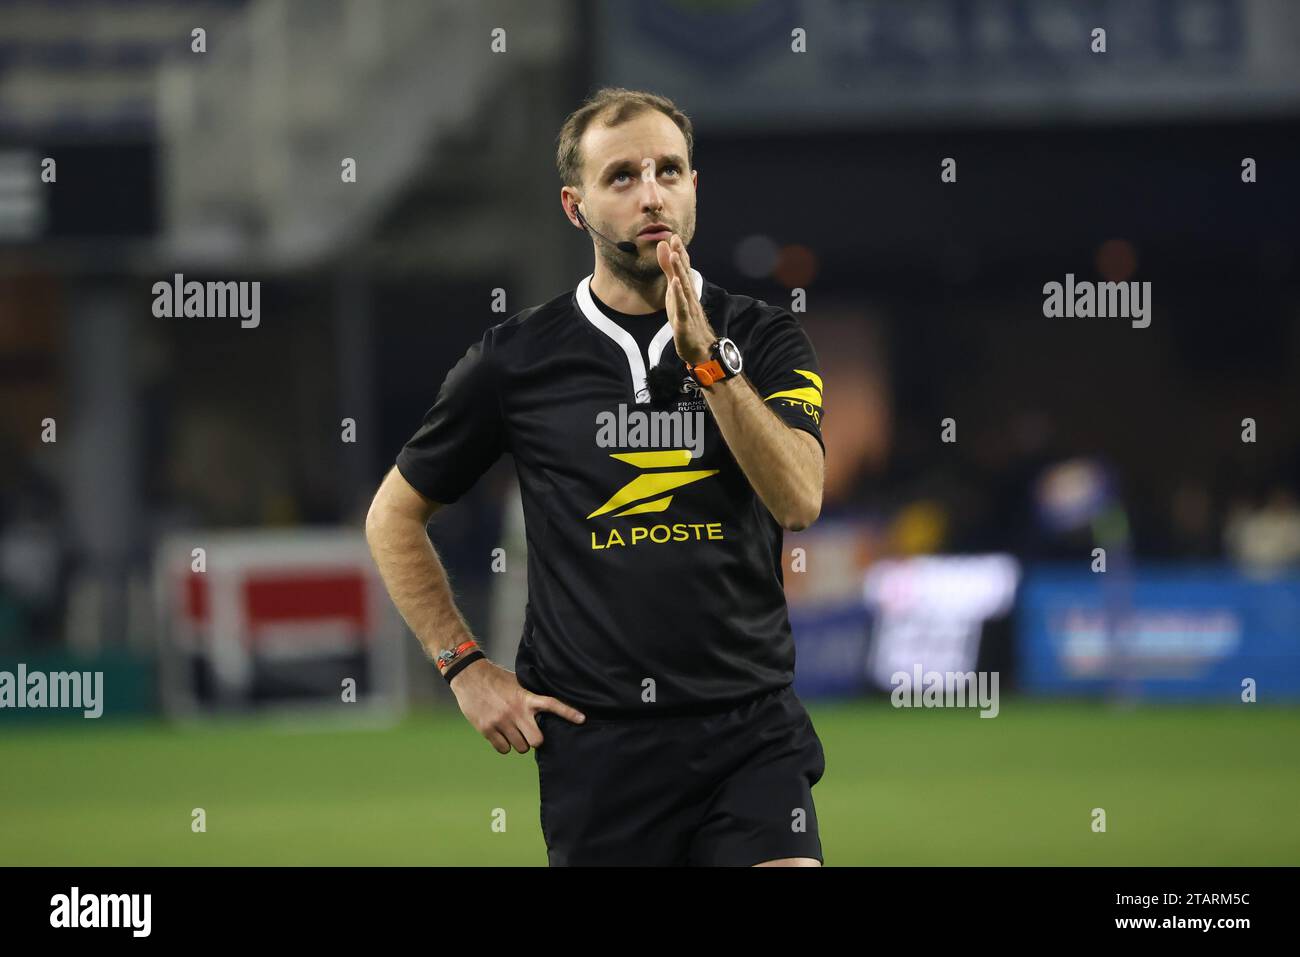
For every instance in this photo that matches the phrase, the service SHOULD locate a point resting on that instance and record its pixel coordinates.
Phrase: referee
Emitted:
(664, 432)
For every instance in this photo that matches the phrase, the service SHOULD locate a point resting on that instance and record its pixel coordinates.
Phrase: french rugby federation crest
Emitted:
(690, 398)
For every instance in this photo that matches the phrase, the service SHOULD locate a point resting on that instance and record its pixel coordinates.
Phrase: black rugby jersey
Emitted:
(654, 570)
(642, 327)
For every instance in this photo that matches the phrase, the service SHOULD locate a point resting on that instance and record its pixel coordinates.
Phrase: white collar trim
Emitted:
(635, 363)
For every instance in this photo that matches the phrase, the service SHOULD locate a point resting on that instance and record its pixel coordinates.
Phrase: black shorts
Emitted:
(730, 789)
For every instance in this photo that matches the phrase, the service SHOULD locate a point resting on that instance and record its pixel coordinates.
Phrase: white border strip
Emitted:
(636, 365)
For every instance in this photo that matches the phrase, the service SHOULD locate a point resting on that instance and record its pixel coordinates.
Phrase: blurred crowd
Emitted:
(1020, 483)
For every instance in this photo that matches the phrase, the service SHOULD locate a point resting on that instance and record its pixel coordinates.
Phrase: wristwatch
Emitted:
(724, 362)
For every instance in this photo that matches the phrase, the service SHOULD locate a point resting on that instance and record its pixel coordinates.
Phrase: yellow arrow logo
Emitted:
(651, 484)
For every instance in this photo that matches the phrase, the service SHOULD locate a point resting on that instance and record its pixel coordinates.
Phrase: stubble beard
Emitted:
(639, 271)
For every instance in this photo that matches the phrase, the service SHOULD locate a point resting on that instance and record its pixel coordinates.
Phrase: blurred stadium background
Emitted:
(818, 171)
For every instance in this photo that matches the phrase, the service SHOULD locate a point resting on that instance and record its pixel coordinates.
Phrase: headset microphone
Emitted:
(625, 246)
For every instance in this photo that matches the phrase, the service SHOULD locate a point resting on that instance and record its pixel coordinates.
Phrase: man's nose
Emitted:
(651, 197)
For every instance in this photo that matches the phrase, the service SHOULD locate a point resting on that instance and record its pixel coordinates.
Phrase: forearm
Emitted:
(785, 473)
(416, 581)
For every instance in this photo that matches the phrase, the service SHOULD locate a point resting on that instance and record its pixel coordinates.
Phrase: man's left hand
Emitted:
(692, 334)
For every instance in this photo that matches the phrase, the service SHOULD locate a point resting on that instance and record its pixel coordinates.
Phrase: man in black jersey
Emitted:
(664, 432)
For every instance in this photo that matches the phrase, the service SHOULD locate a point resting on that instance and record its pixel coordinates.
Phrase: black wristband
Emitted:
(459, 665)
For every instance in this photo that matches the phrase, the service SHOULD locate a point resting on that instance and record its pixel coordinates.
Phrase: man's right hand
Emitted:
(501, 709)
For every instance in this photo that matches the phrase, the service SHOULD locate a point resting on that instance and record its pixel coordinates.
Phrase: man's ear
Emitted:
(695, 178)
(569, 201)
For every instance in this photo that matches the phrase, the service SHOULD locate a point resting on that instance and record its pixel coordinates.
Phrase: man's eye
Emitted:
(671, 166)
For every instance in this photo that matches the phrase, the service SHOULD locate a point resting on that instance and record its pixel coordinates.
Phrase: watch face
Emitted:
(729, 354)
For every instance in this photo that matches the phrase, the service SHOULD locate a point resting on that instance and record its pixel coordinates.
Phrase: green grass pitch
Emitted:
(1180, 786)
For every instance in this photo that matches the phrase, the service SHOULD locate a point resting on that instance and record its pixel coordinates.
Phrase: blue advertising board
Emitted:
(1195, 632)
(830, 649)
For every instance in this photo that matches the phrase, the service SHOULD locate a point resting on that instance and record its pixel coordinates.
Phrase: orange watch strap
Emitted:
(707, 373)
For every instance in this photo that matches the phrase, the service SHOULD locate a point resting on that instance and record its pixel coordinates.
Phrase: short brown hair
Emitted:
(622, 104)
